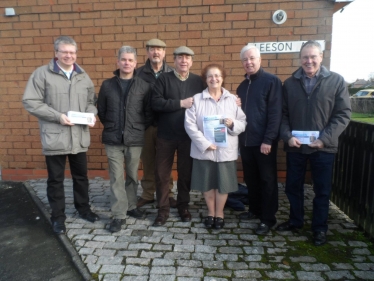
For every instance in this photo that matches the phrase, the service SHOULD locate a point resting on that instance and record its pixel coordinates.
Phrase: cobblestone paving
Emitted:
(189, 252)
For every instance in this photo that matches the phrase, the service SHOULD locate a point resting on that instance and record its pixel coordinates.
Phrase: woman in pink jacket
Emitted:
(215, 149)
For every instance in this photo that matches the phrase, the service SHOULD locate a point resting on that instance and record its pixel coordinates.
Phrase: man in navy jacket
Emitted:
(261, 96)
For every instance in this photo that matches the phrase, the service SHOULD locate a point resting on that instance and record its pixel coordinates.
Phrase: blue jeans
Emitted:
(321, 164)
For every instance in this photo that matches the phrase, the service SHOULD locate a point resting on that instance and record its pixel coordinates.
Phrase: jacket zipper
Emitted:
(245, 106)
(125, 109)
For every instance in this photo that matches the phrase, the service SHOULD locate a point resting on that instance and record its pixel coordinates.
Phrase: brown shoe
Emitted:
(160, 220)
(185, 215)
(142, 202)
(172, 202)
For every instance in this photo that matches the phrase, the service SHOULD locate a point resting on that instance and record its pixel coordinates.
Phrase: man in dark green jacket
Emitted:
(315, 101)
(149, 72)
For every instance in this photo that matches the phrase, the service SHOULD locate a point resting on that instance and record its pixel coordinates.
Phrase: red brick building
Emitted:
(215, 29)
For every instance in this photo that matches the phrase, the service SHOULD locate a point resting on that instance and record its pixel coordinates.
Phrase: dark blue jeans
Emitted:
(55, 184)
(321, 164)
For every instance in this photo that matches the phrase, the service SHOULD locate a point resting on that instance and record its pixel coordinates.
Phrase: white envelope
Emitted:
(83, 118)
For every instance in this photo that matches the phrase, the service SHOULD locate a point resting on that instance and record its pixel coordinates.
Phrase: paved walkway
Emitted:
(189, 252)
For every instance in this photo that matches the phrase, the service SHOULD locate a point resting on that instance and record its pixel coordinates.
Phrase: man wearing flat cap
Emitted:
(150, 71)
(171, 95)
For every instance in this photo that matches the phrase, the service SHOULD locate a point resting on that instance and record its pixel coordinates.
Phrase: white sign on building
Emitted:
(283, 47)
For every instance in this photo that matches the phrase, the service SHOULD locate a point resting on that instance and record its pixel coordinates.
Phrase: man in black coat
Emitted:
(149, 72)
(124, 110)
(261, 96)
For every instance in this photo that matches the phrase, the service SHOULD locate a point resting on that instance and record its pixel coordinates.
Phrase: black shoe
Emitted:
(247, 216)
(319, 238)
(160, 220)
(90, 216)
(287, 226)
(58, 227)
(209, 222)
(185, 215)
(219, 223)
(262, 229)
(116, 224)
(136, 213)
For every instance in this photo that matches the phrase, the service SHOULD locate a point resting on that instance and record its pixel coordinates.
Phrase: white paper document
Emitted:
(81, 117)
(306, 137)
(215, 130)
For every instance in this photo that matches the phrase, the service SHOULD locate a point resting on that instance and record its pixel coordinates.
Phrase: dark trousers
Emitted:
(55, 184)
(321, 165)
(260, 176)
(165, 150)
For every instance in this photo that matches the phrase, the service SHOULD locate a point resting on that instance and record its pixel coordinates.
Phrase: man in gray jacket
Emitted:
(51, 92)
(315, 101)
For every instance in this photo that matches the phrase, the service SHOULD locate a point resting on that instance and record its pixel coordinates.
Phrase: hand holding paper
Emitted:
(317, 144)
(294, 142)
(64, 120)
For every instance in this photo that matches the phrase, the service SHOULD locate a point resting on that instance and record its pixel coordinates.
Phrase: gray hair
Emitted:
(65, 40)
(311, 43)
(127, 50)
(249, 47)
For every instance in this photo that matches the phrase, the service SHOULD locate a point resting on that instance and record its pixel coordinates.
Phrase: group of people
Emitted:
(152, 112)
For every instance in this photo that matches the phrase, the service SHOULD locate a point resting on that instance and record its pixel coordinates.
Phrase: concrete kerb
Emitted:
(76, 259)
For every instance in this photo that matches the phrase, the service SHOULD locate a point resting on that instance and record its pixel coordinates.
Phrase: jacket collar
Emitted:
(254, 76)
(148, 67)
(324, 72)
(116, 73)
(206, 94)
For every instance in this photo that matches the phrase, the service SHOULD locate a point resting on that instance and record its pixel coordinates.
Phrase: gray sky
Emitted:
(352, 53)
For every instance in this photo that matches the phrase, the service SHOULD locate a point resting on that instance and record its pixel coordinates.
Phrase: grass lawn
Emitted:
(363, 117)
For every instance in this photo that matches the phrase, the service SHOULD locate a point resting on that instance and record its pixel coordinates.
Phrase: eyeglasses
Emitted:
(67, 53)
(249, 59)
(214, 76)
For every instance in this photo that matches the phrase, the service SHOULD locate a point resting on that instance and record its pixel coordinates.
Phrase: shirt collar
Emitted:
(180, 76)
(315, 76)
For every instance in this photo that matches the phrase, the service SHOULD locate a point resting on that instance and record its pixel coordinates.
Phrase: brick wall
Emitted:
(215, 29)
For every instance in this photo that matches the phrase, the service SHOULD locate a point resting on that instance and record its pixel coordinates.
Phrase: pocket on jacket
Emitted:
(54, 139)
(138, 126)
(86, 137)
(109, 126)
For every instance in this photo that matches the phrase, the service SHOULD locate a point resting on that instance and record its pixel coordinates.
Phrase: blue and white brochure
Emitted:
(306, 137)
(215, 130)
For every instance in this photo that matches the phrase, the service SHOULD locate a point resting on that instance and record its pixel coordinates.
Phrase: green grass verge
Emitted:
(363, 117)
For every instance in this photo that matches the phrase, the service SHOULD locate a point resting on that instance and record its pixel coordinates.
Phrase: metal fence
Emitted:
(363, 105)
(353, 177)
